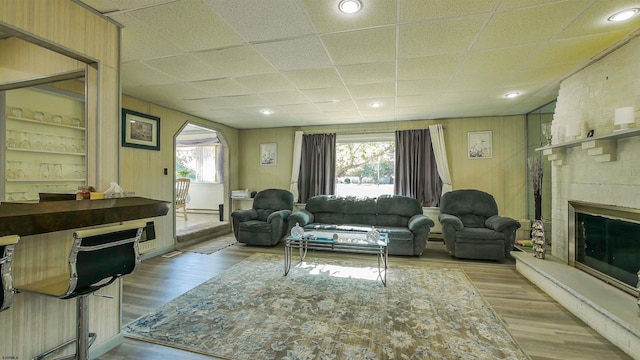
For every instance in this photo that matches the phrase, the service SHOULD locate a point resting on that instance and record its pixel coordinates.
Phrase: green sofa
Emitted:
(400, 217)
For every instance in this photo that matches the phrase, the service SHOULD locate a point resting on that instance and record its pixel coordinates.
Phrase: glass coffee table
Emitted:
(342, 241)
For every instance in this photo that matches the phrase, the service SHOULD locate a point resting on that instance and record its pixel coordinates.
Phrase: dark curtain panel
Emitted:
(416, 170)
(317, 166)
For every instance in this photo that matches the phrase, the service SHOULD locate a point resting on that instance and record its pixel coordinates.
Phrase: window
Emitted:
(365, 164)
(198, 163)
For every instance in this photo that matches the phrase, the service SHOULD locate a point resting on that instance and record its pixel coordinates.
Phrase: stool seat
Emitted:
(7, 244)
(97, 258)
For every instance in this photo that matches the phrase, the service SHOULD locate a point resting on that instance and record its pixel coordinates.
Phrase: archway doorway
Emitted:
(201, 156)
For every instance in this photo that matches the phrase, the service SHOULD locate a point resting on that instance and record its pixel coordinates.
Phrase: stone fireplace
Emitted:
(604, 241)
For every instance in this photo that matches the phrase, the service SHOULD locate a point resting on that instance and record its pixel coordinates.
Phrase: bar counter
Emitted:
(26, 219)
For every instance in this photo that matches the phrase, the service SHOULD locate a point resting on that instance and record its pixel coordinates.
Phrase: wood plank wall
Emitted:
(35, 322)
(504, 175)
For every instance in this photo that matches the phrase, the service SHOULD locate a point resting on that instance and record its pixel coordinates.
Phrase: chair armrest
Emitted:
(244, 215)
(501, 223)
(418, 221)
(451, 220)
(302, 217)
(280, 214)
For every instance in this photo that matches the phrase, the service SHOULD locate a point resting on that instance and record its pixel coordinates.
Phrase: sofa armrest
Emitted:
(501, 223)
(447, 219)
(418, 221)
(301, 217)
(244, 215)
(280, 214)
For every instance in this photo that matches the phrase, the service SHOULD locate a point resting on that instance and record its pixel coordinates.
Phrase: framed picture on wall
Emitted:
(479, 145)
(268, 154)
(140, 130)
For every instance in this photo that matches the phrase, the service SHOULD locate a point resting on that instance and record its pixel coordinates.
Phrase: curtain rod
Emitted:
(357, 132)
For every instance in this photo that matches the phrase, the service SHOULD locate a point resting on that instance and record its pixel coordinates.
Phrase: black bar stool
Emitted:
(7, 244)
(98, 257)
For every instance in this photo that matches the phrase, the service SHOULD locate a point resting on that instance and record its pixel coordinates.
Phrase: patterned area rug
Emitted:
(211, 246)
(331, 310)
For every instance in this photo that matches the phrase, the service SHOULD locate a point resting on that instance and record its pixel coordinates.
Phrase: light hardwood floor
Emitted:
(542, 327)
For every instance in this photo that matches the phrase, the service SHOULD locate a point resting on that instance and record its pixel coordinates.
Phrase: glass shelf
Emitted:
(48, 123)
(45, 180)
(46, 151)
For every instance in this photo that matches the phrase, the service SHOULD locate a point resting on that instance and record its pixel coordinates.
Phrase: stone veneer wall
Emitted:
(592, 95)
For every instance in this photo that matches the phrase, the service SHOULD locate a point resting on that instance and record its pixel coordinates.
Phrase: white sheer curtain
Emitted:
(440, 152)
(295, 169)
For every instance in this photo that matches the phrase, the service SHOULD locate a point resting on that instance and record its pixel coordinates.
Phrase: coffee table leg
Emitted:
(382, 266)
(287, 258)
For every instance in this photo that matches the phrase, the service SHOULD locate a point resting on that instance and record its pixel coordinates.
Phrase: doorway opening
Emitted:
(201, 160)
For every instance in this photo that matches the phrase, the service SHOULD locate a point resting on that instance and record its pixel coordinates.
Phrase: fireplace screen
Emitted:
(609, 246)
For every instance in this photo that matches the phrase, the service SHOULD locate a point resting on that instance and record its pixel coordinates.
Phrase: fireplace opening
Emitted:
(606, 243)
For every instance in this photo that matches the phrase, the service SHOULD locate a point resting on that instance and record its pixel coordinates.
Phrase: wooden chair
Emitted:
(182, 191)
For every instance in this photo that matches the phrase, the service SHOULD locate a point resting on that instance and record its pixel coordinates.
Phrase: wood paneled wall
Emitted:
(504, 175)
(35, 322)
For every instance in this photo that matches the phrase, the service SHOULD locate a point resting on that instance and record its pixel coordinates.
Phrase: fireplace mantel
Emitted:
(602, 148)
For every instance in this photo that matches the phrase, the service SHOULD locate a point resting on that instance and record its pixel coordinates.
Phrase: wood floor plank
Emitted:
(542, 327)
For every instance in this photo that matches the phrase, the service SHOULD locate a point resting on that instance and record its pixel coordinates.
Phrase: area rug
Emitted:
(331, 309)
(211, 246)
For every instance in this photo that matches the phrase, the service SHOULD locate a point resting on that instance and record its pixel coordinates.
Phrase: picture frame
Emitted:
(269, 154)
(140, 130)
(479, 145)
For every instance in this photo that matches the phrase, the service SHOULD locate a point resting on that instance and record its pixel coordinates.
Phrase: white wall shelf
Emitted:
(602, 148)
(47, 152)
(48, 123)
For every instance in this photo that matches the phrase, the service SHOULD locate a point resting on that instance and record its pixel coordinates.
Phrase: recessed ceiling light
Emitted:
(350, 6)
(266, 112)
(511, 95)
(623, 15)
(375, 104)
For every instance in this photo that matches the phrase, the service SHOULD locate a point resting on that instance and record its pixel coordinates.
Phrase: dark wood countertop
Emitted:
(25, 219)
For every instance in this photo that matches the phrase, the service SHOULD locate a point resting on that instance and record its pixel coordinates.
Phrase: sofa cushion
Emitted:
(478, 235)
(255, 226)
(394, 210)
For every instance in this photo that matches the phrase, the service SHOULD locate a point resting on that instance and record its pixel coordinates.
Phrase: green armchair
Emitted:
(266, 223)
(472, 228)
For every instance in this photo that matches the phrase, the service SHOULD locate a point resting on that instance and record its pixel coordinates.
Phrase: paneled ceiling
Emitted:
(227, 60)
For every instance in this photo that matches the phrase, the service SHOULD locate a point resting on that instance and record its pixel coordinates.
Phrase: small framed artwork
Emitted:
(140, 130)
(479, 145)
(268, 154)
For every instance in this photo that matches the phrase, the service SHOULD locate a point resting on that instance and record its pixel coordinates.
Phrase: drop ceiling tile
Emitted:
(478, 81)
(370, 91)
(285, 98)
(296, 54)
(439, 37)
(362, 46)
(326, 17)
(594, 20)
(314, 79)
(221, 87)
(238, 61)
(371, 73)
(139, 42)
(259, 20)
(420, 10)
(300, 108)
(186, 67)
(421, 87)
(122, 5)
(266, 83)
(526, 26)
(209, 103)
(327, 94)
(427, 67)
(244, 101)
(413, 110)
(552, 73)
(135, 74)
(388, 105)
(175, 22)
(340, 106)
(503, 60)
(178, 91)
(417, 100)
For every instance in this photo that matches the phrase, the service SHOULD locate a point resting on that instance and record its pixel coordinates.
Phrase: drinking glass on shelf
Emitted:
(60, 145)
(48, 145)
(18, 171)
(57, 171)
(75, 122)
(71, 144)
(44, 170)
(15, 111)
(36, 141)
(11, 138)
(57, 119)
(24, 140)
(38, 115)
(78, 171)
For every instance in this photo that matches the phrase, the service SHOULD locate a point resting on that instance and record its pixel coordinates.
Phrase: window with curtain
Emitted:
(416, 170)
(199, 163)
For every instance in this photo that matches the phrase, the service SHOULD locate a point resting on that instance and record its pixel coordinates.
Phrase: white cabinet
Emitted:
(45, 142)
